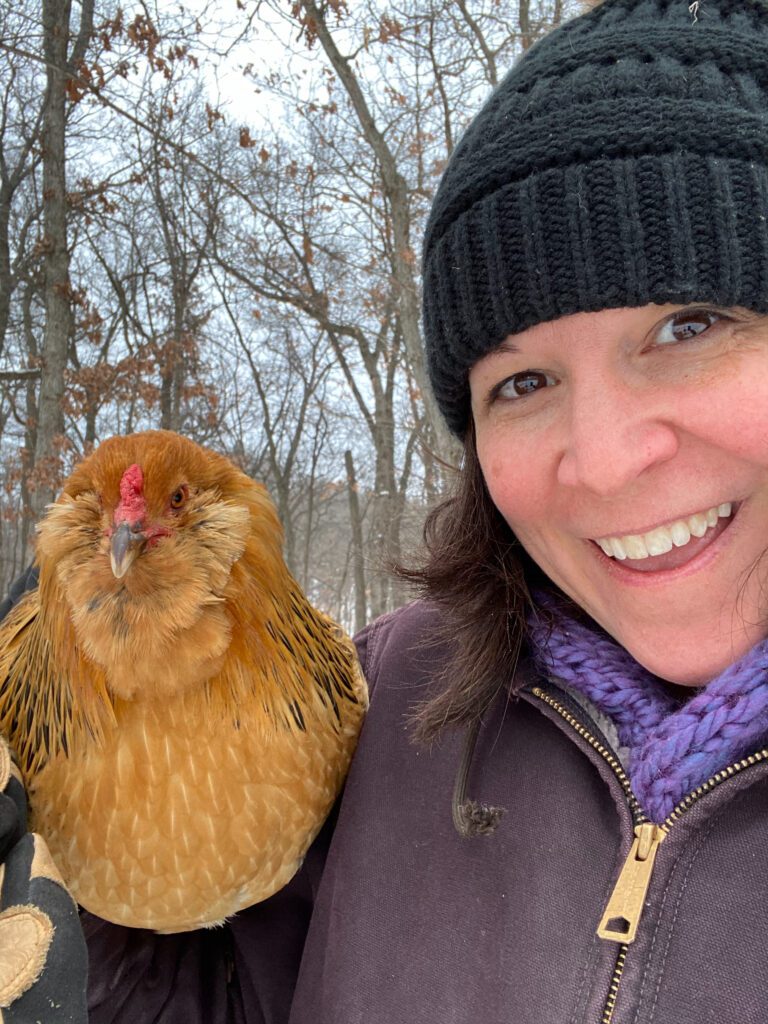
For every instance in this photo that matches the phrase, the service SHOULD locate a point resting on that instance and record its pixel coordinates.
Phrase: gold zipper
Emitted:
(625, 904)
(613, 991)
(717, 778)
(638, 816)
(605, 753)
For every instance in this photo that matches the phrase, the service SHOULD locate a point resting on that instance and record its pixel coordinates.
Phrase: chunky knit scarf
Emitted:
(674, 747)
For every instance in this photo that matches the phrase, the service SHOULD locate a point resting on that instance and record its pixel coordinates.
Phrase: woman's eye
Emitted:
(685, 325)
(521, 384)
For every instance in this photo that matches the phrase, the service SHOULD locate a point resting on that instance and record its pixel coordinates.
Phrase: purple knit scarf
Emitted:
(674, 746)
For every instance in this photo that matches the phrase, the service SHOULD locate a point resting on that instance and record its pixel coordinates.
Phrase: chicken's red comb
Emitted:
(132, 505)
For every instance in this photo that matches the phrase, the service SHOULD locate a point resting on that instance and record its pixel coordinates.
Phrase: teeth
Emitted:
(664, 538)
(635, 547)
(618, 549)
(698, 524)
(659, 542)
(613, 548)
(680, 533)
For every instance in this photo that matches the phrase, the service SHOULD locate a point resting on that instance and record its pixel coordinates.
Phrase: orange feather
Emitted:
(183, 729)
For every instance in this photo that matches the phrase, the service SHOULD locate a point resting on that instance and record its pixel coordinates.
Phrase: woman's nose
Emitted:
(612, 440)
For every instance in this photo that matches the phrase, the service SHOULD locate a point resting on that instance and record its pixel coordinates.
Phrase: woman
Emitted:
(595, 291)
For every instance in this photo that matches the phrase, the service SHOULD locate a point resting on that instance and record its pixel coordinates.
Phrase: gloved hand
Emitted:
(43, 959)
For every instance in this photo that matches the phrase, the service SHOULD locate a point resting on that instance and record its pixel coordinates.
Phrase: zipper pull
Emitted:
(622, 914)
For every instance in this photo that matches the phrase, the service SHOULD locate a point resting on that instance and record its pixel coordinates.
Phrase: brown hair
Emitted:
(479, 575)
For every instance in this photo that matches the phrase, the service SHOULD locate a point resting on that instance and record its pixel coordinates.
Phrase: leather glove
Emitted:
(43, 959)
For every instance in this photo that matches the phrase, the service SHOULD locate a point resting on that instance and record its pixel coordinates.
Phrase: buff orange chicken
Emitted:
(184, 718)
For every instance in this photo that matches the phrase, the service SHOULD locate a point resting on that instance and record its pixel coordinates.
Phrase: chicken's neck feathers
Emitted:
(288, 664)
(52, 700)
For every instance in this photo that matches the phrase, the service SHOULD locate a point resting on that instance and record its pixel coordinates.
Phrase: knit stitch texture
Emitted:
(622, 161)
(674, 747)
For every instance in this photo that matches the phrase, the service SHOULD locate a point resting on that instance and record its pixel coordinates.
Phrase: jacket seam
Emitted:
(580, 1006)
(678, 904)
(702, 838)
(371, 667)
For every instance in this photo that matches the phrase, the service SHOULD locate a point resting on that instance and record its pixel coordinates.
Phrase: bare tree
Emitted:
(60, 63)
(254, 285)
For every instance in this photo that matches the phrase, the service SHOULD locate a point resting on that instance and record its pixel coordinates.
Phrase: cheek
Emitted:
(729, 407)
(734, 419)
(517, 485)
(746, 430)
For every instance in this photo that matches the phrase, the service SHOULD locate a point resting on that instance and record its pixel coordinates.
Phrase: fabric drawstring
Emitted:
(674, 746)
(469, 817)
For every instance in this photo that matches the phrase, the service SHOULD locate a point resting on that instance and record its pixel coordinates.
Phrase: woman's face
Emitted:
(628, 451)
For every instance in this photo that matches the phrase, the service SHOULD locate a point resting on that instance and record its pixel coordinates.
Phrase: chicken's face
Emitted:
(142, 544)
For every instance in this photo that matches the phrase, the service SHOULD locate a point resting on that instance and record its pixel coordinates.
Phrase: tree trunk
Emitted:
(404, 261)
(166, 386)
(385, 521)
(58, 310)
(358, 558)
(526, 38)
(5, 263)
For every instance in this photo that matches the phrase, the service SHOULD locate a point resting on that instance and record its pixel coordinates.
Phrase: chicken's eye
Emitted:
(179, 497)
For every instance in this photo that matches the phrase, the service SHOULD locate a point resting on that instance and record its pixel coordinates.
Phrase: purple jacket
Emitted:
(406, 922)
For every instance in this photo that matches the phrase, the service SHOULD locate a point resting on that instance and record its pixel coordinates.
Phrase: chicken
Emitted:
(183, 717)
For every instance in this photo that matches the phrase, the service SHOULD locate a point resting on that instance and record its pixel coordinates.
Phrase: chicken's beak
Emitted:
(125, 548)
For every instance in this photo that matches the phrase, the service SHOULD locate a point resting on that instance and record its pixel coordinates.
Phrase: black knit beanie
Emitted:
(623, 161)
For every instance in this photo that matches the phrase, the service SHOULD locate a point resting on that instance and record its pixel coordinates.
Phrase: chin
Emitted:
(695, 670)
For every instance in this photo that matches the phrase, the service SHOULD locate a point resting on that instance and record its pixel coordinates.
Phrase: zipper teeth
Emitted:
(639, 815)
(613, 991)
(721, 776)
(637, 810)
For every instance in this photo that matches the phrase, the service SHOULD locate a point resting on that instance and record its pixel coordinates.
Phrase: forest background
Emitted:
(211, 221)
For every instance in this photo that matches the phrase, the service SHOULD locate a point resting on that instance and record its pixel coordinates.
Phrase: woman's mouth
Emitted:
(672, 545)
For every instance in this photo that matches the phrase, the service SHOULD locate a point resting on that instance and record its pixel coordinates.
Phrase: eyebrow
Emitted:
(505, 347)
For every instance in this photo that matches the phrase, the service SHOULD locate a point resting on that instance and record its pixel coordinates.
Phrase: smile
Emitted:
(662, 539)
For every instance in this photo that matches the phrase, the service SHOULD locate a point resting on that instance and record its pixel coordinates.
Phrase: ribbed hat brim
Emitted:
(605, 234)
(623, 161)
